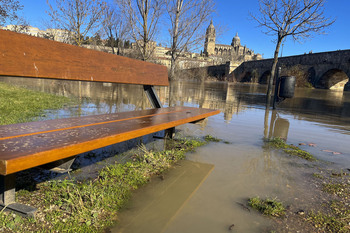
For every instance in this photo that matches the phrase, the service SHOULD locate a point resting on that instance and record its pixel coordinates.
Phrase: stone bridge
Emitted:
(328, 70)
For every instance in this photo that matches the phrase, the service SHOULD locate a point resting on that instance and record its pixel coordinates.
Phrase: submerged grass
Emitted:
(22, 105)
(268, 207)
(92, 205)
(290, 149)
(209, 138)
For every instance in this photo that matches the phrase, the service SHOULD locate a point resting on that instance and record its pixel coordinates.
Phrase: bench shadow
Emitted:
(87, 165)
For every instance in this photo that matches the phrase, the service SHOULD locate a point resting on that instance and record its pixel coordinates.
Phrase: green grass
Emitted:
(19, 105)
(209, 138)
(290, 149)
(93, 205)
(340, 189)
(268, 207)
(317, 175)
(335, 217)
(337, 220)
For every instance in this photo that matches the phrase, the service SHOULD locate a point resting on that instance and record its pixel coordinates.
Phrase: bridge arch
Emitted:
(247, 77)
(334, 79)
(311, 74)
(265, 77)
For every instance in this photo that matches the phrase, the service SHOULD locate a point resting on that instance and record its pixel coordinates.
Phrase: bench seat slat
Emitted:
(35, 127)
(23, 151)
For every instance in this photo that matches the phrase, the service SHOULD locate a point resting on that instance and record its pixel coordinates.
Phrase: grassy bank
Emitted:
(22, 105)
(330, 211)
(92, 205)
(335, 214)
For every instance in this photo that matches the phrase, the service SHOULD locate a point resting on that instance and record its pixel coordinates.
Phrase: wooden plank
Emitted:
(31, 149)
(28, 56)
(37, 127)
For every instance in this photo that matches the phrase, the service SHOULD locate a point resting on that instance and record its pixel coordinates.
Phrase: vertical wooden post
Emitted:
(277, 84)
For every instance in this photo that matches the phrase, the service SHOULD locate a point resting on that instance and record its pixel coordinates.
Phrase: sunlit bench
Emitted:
(28, 145)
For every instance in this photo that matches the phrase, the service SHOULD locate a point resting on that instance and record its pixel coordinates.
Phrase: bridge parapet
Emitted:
(322, 70)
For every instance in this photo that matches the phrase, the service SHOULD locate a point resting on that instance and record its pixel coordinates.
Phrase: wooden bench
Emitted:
(28, 145)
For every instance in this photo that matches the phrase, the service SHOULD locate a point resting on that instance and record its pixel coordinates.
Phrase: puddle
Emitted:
(154, 206)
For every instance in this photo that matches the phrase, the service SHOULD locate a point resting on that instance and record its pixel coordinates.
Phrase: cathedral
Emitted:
(233, 52)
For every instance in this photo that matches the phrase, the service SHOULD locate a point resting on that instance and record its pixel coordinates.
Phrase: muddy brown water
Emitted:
(207, 193)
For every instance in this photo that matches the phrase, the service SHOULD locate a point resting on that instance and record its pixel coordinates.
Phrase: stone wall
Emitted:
(321, 68)
(216, 72)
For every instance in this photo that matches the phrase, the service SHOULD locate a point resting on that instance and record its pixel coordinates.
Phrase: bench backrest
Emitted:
(27, 56)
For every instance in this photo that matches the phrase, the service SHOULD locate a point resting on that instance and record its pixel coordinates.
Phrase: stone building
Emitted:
(234, 52)
(54, 34)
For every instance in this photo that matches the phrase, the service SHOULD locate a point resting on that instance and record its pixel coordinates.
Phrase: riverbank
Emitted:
(71, 205)
(326, 207)
(318, 120)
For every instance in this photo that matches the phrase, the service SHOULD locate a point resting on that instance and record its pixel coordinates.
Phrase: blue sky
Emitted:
(234, 16)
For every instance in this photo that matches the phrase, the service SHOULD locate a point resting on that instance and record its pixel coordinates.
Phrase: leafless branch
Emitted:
(114, 27)
(142, 17)
(299, 19)
(187, 21)
(80, 17)
(8, 10)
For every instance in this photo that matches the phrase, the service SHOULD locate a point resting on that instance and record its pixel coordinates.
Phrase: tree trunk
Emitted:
(172, 68)
(175, 36)
(111, 39)
(273, 72)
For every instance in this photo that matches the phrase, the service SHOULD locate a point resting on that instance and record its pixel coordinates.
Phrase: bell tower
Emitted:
(209, 45)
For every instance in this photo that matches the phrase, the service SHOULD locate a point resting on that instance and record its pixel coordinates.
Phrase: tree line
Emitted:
(121, 21)
(184, 21)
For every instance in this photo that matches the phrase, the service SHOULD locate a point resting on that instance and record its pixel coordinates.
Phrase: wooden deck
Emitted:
(28, 145)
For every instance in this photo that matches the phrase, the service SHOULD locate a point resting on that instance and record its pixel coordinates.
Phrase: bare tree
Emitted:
(79, 17)
(142, 17)
(114, 27)
(296, 18)
(8, 10)
(187, 18)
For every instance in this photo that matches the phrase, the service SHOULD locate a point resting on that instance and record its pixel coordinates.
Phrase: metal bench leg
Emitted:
(8, 197)
(152, 96)
(169, 133)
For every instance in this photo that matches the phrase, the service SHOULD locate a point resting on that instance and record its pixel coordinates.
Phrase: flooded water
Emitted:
(206, 192)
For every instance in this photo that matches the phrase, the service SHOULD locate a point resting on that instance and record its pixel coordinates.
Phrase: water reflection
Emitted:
(152, 211)
(242, 168)
(278, 127)
(324, 106)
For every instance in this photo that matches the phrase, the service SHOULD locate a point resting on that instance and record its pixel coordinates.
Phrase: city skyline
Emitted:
(233, 17)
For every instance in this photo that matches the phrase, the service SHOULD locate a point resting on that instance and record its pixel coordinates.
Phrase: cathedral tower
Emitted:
(209, 45)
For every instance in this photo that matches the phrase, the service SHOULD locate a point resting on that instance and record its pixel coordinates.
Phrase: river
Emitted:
(208, 191)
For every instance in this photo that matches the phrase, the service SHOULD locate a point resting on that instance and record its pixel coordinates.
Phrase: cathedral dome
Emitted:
(236, 41)
(211, 28)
